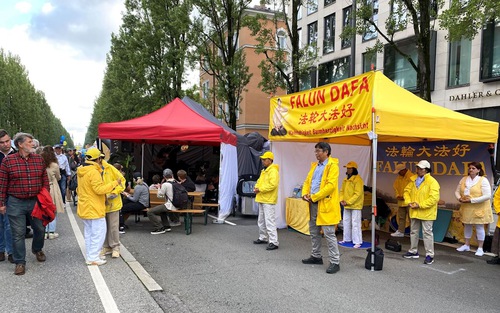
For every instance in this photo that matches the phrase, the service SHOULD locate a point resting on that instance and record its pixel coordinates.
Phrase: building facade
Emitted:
(253, 115)
(466, 74)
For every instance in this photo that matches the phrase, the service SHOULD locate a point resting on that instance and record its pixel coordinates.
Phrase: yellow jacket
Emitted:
(328, 194)
(352, 192)
(427, 197)
(268, 185)
(399, 185)
(114, 198)
(92, 191)
(496, 204)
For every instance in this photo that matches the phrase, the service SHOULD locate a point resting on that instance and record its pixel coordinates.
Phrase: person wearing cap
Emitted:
(266, 195)
(321, 191)
(113, 206)
(352, 196)
(474, 194)
(91, 209)
(22, 177)
(401, 181)
(65, 170)
(422, 196)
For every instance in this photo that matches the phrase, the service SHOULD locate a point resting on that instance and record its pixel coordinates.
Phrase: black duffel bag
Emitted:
(393, 245)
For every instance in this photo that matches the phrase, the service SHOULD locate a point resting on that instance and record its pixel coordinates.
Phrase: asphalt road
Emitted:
(218, 269)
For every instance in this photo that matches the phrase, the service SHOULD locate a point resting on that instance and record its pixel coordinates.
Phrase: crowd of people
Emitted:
(417, 195)
(105, 201)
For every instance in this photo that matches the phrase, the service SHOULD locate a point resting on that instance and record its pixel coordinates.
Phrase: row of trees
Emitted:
(160, 41)
(22, 107)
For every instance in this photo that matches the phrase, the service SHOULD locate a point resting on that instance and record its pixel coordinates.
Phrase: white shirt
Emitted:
(168, 191)
(63, 163)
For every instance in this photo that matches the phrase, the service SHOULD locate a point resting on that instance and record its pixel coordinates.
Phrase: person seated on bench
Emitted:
(167, 192)
(135, 203)
(184, 180)
(156, 182)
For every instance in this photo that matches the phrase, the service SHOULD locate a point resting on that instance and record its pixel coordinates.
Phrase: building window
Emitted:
(312, 6)
(398, 69)
(329, 36)
(334, 71)
(281, 39)
(301, 44)
(308, 80)
(490, 52)
(312, 34)
(299, 13)
(371, 33)
(328, 2)
(346, 21)
(369, 62)
(205, 90)
(459, 66)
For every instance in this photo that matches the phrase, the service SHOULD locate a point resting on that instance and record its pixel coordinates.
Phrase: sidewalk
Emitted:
(64, 283)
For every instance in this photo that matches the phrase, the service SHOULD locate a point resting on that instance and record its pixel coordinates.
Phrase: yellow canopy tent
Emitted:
(342, 113)
(368, 108)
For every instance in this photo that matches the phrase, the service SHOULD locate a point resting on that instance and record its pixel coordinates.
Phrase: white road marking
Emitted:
(444, 272)
(107, 299)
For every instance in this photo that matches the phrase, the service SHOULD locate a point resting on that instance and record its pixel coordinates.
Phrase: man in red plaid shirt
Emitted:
(22, 176)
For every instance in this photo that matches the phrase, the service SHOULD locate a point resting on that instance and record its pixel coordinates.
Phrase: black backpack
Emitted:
(73, 183)
(180, 195)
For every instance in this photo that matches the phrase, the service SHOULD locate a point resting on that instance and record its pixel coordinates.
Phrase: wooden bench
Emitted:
(188, 217)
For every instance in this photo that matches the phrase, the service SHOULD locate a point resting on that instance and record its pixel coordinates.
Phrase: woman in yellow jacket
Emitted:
(352, 197)
(422, 196)
(113, 206)
(495, 245)
(91, 204)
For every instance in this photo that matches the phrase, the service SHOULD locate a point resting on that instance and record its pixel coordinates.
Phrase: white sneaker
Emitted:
(53, 235)
(397, 234)
(98, 263)
(175, 224)
(464, 248)
(479, 252)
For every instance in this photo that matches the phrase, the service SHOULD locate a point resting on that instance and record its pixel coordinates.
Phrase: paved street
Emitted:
(218, 269)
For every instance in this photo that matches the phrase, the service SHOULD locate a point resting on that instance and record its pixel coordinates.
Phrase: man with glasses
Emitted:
(321, 191)
(422, 196)
(22, 176)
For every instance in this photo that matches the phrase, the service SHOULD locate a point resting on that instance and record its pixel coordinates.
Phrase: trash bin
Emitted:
(244, 189)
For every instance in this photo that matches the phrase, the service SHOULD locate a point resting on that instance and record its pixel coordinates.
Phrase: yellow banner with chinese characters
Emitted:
(340, 109)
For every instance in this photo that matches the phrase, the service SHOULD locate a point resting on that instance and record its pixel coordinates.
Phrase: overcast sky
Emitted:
(63, 46)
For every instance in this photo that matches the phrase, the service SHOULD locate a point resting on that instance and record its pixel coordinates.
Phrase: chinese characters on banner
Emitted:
(339, 109)
(449, 160)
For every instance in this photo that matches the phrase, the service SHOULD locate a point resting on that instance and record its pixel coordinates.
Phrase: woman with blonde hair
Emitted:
(53, 173)
(474, 193)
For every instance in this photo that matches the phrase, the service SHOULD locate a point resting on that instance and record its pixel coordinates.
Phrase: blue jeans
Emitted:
(18, 211)
(5, 235)
(62, 185)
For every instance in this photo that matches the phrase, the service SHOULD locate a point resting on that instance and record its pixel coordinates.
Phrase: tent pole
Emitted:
(142, 159)
(373, 137)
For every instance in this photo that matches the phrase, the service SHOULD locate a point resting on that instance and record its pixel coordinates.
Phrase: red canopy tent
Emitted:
(183, 123)
(175, 123)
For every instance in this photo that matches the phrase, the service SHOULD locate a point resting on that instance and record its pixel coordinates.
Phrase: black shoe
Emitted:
(11, 258)
(333, 268)
(2, 256)
(312, 260)
(494, 260)
(272, 246)
(259, 242)
(29, 235)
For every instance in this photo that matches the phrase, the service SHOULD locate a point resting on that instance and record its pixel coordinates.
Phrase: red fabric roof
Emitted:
(175, 123)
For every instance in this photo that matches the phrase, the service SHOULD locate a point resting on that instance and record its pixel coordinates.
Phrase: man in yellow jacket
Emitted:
(495, 244)
(401, 181)
(91, 204)
(321, 190)
(113, 206)
(266, 190)
(422, 196)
